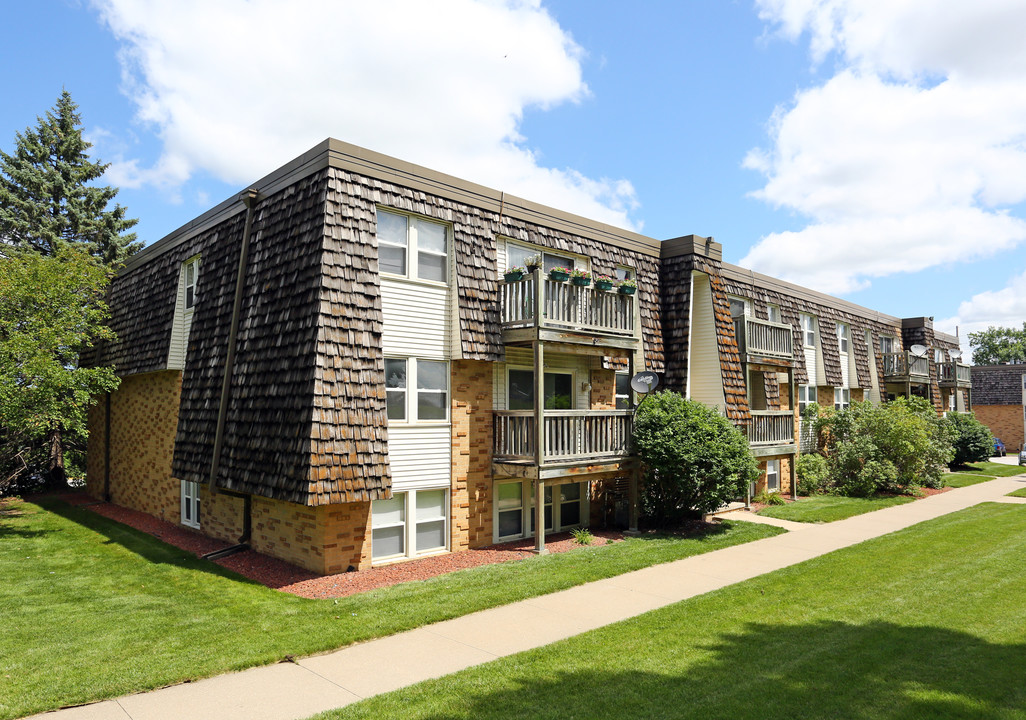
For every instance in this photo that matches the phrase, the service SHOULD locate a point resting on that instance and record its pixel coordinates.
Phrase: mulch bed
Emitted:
(289, 578)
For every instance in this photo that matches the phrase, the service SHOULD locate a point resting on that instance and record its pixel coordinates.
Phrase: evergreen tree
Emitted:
(46, 200)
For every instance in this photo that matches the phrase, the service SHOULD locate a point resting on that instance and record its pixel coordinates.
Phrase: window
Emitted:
(938, 355)
(773, 313)
(808, 330)
(565, 507)
(559, 390)
(413, 247)
(886, 345)
(393, 537)
(624, 273)
(191, 504)
(510, 506)
(773, 476)
(191, 276)
(623, 391)
(740, 306)
(842, 337)
(517, 256)
(431, 380)
(806, 396)
(842, 398)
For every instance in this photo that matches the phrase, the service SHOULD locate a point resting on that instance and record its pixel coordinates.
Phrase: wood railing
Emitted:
(771, 427)
(955, 373)
(537, 301)
(569, 434)
(762, 337)
(902, 364)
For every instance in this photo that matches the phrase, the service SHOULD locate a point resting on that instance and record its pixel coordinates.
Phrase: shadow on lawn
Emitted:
(136, 541)
(825, 670)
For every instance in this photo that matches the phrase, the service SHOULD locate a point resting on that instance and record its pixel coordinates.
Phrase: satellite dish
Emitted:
(645, 382)
(918, 350)
(955, 354)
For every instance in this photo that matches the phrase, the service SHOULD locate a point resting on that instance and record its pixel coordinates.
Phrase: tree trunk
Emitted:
(56, 479)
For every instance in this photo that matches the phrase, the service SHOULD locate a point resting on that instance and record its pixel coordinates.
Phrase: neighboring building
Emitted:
(999, 401)
(331, 368)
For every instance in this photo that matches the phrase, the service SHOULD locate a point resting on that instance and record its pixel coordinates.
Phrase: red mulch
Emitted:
(289, 578)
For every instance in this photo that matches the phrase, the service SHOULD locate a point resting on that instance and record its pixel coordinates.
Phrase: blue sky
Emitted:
(872, 150)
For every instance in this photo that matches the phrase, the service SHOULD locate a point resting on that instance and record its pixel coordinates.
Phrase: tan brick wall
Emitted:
(603, 389)
(326, 539)
(471, 492)
(221, 516)
(785, 474)
(1004, 421)
(144, 419)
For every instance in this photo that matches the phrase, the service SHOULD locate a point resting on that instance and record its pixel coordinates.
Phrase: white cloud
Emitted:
(912, 155)
(238, 87)
(1004, 308)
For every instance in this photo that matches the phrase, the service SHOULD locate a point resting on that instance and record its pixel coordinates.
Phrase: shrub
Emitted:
(582, 536)
(893, 447)
(769, 498)
(971, 439)
(811, 469)
(695, 460)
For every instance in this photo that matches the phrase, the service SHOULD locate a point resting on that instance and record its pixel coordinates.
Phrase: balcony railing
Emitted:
(771, 427)
(955, 373)
(569, 434)
(905, 364)
(763, 338)
(537, 301)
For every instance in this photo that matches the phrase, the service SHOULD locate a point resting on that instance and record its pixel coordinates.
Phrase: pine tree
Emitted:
(46, 199)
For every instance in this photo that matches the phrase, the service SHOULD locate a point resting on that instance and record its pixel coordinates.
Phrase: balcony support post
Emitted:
(539, 437)
(793, 401)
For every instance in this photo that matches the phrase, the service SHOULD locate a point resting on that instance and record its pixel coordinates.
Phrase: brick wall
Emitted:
(326, 539)
(1004, 421)
(471, 492)
(144, 418)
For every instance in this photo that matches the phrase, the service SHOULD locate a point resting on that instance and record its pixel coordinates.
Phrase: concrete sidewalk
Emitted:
(313, 684)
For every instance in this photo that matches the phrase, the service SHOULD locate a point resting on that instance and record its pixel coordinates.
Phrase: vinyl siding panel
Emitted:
(845, 369)
(706, 381)
(416, 319)
(419, 456)
(179, 329)
(811, 367)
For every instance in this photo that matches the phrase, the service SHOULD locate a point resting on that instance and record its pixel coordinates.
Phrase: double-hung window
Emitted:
(842, 337)
(191, 271)
(808, 329)
(411, 523)
(416, 389)
(842, 398)
(518, 255)
(806, 396)
(413, 247)
(190, 504)
(773, 313)
(773, 476)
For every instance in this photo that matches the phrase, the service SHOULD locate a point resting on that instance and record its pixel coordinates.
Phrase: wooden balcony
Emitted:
(955, 374)
(771, 432)
(762, 342)
(539, 308)
(576, 442)
(906, 367)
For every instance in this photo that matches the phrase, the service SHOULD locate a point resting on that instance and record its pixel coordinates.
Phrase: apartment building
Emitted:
(999, 402)
(334, 368)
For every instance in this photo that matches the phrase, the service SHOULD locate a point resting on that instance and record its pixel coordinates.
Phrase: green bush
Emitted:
(811, 469)
(695, 460)
(769, 498)
(894, 447)
(971, 440)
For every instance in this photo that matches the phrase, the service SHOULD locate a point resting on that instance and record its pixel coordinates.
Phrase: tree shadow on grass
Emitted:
(136, 541)
(824, 670)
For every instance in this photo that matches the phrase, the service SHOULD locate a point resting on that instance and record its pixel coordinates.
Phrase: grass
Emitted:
(924, 623)
(94, 609)
(965, 479)
(993, 469)
(827, 508)
(1021, 492)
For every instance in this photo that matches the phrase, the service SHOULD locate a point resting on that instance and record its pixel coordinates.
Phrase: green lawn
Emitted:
(965, 479)
(1021, 492)
(94, 609)
(993, 469)
(827, 508)
(925, 623)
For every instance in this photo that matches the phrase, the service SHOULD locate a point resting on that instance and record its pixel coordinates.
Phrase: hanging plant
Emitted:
(559, 274)
(603, 282)
(514, 274)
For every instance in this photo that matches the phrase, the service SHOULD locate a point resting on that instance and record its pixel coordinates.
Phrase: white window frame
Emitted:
(773, 313)
(808, 323)
(190, 504)
(843, 338)
(810, 394)
(938, 355)
(574, 262)
(548, 371)
(412, 393)
(527, 510)
(409, 525)
(746, 304)
(842, 398)
(413, 249)
(773, 471)
(623, 272)
(193, 264)
(890, 341)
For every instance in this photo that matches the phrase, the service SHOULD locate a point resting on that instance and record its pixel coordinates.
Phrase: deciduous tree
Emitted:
(998, 345)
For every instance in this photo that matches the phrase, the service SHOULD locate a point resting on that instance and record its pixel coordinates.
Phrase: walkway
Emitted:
(313, 684)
